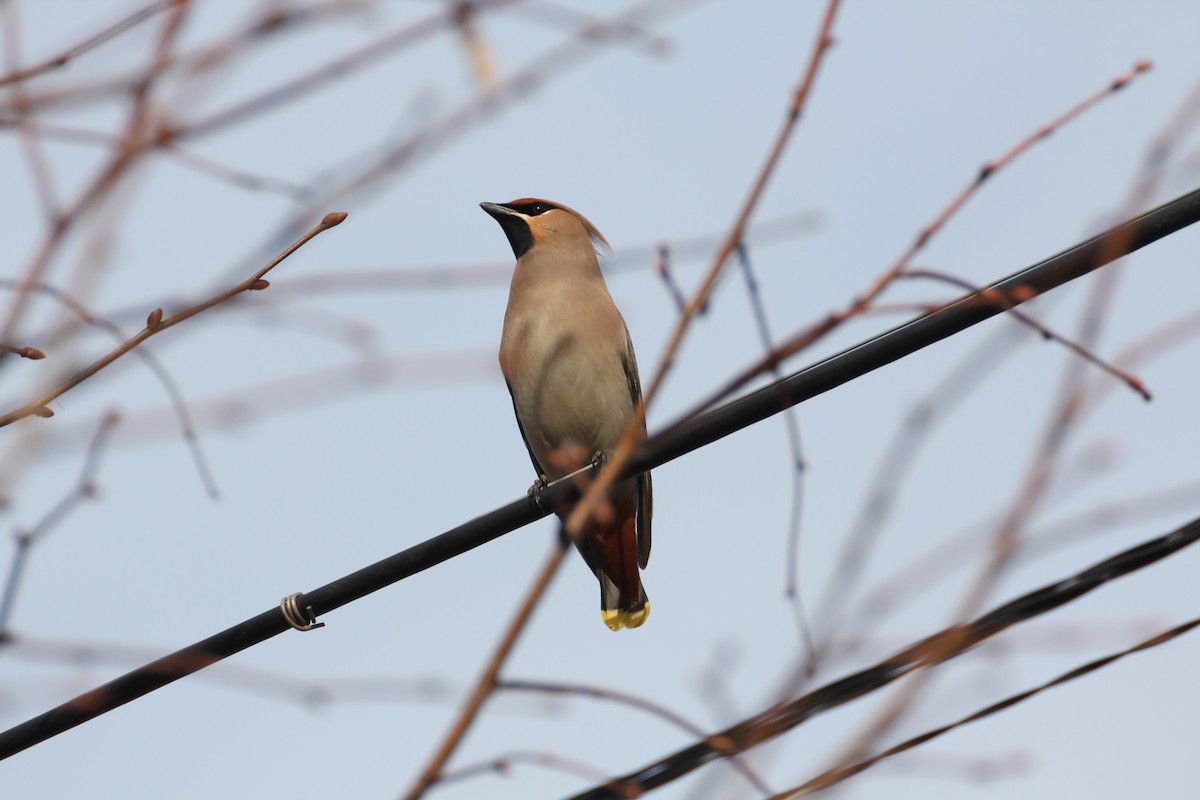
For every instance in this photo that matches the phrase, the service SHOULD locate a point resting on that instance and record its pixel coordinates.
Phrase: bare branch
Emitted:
(84, 489)
(489, 679)
(633, 428)
(155, 323)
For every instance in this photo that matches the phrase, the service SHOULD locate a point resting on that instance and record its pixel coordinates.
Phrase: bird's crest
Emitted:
(533, 206)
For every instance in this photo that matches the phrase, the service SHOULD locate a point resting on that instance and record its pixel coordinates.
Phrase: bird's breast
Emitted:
(567, 376)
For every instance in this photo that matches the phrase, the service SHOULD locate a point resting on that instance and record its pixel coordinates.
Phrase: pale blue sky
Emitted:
(322, 479)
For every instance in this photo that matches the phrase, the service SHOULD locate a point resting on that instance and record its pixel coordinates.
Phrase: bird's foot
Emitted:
(535, 491)
(599, 459)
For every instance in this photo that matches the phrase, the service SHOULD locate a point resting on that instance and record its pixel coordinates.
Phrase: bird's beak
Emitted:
(498, 211)
(515, 226)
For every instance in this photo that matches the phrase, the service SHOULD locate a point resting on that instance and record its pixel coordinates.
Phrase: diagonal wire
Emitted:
(930, 651)
(678, 440)
(838, 774)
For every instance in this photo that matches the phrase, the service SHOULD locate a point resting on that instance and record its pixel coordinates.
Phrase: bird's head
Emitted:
(531, 222)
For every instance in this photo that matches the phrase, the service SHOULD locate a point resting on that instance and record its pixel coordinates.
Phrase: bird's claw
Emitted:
(535, 491)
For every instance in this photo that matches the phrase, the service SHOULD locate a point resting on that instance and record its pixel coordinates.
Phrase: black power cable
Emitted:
(948, 644)
(678, 440)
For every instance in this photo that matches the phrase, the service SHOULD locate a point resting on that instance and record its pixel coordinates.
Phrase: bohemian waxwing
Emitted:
(570, 368)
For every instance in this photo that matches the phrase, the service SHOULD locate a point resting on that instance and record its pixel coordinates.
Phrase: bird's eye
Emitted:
(531, 207)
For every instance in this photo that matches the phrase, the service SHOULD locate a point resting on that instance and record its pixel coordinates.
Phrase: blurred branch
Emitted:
(330, 383)
(633, 429)
(911, 580)
(89, 43)
(990, 169)
(954, 317)
(1045, 332)
(663, 268)
(565, 17)
(84, 489)
(358, 174)
(1063, 420)
(807, 337)
(928, 652)
(234, 176)
(178, 404)
(792, 425)
(336, 69)
(681, 438)
(839, 774)
(974, 770)
(275, 19)
(479, 54)
(344, 280)
(138, 121)
(251, 402)
(239, 677)
(632, 701)
(155, 323)
(488, 680)
(503, 764)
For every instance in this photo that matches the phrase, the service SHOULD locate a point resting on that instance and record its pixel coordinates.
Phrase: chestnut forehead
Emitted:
(528, 201)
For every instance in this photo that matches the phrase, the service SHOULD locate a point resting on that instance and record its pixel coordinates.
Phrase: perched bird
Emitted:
(573, 377)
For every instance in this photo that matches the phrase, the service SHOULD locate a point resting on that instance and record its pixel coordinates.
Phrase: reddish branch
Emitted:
(624, 451)
(157, 323)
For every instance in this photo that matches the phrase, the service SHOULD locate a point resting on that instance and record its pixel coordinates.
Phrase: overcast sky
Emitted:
(346, 413)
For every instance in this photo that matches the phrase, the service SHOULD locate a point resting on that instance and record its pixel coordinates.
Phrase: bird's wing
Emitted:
(645, 488)
(537, 468)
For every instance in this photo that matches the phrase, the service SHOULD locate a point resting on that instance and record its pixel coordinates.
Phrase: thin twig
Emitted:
(156, 323)
(633, 701)
(917, 659)
(488, 680)
(30, 141)
(625, 448)
(663, 268)
(1028, 500)
(503, 764)
(357, 175)
(306, 389)
(791, 421)
(204, 165)
(988, 170)
(1155, 344)
(138, 121)
(1045, 332)
(303, 692)
(179, 406)
(841, 773)
(294, 88)
(564, 17)
(818, 330)
(206, 58)
(91, 42)
(677, 441)
(84, 489)
(32, 353)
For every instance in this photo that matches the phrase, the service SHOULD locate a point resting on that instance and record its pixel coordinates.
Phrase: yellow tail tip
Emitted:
(617, 619)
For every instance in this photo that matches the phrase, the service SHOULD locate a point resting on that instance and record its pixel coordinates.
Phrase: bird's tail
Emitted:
(610, 548)
(616, 610)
